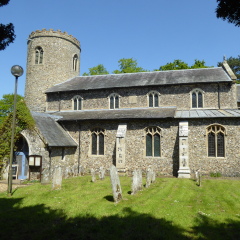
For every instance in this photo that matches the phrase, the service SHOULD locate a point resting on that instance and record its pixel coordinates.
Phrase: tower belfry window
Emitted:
(75, 62)
(38, 55)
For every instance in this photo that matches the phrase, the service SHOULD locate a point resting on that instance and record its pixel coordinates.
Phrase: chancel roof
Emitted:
(114, 114)
(54, 135)
(187, 76)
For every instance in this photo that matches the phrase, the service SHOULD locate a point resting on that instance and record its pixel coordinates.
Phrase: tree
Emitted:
(7, 35)
(24, 120)
(179, 64)
(128, 65)
(97, 70)
(229, 10)
(234, 64)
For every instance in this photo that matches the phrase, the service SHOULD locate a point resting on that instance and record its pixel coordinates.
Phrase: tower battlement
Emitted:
(51, 33)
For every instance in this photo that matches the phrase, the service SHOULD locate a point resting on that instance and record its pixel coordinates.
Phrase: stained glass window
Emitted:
(98, 141)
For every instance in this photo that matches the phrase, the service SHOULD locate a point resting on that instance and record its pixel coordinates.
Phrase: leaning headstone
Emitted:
(116, 186)
(101, 173)
(136, 181)
(93, 175)
(57, 178)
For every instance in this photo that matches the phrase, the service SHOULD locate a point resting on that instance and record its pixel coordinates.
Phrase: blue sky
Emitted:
(153, 32)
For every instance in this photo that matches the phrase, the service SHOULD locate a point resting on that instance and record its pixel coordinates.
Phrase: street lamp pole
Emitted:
(16, 71)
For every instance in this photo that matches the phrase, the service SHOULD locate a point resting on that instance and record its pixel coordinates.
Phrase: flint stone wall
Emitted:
(176, 95)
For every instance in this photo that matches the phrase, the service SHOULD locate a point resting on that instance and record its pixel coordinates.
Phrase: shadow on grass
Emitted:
(40, 222)
(109, 198)
(208, 228)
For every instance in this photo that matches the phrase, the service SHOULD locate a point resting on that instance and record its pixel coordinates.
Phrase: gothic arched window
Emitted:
(38, 55)
(153, 141)
(153, 99)
(114, 101)
(97, 141)
(197, 96)
(77, 103)
(216, 140)
(75, 62)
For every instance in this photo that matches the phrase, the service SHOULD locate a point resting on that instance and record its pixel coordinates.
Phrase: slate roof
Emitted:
(106, 114)
(53, 133)
(208, 113)
(187, 76)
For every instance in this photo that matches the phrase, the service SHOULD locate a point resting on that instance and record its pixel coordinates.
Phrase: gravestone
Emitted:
(148, 177)
(75, 170)
(198, 178)
(101, 173)
(93, 174)
(116, 186)
(136, 181)
(46, 176)
(57, 178)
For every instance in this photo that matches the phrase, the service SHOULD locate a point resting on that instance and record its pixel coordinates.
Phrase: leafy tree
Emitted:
(128, 65)
(24, 120)
(179, 64)
(229, 10)
(97, 70)
(7, 35)
(234, 64)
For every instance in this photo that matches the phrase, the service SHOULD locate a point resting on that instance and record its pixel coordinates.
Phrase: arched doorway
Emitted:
(20, 160)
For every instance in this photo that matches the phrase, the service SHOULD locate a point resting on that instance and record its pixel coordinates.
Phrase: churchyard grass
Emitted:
(169, 209)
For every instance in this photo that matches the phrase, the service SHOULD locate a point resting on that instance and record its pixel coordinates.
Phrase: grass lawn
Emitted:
(170, 209)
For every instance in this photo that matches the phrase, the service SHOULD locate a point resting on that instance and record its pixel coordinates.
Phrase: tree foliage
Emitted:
(234, 64)
(179, 64)
(229, 10)
(7, 35)
(24, 120)
(128, 65)
(97, 70)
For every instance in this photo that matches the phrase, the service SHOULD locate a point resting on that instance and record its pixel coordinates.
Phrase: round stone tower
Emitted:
(53, 57)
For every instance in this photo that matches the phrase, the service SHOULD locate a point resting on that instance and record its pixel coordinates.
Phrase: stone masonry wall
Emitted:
(58, 51)
(178, 96)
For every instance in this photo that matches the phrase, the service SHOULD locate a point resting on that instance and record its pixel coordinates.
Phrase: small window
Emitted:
(153, 142)
(97, 136)
(153, 99)
(77, 103)
(216, 141)
(75, 62)
(197, 98)
(38, 55)
(114, 100)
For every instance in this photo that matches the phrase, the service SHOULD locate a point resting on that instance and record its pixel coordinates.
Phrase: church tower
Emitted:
(53, 57)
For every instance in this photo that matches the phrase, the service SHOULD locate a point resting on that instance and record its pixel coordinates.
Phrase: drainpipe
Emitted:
(219, 105)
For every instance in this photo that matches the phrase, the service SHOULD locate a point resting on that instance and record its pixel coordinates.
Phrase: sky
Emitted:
(153, 32)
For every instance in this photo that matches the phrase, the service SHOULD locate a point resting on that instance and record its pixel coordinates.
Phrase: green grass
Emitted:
(170, 209)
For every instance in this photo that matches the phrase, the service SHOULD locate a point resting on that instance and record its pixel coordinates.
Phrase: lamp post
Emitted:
(16, 71)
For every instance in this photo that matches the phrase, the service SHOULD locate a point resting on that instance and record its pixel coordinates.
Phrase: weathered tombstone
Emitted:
(153, 176)
(116, 186)
(75, 170)
(57, 178)
(101, 173)
(148, 177)
(81, 170)
(46, 176)
(93, 175)
(136, 181)
(139, 172)
(198, 178)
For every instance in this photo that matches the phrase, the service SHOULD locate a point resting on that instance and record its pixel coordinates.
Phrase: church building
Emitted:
(175, 121)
